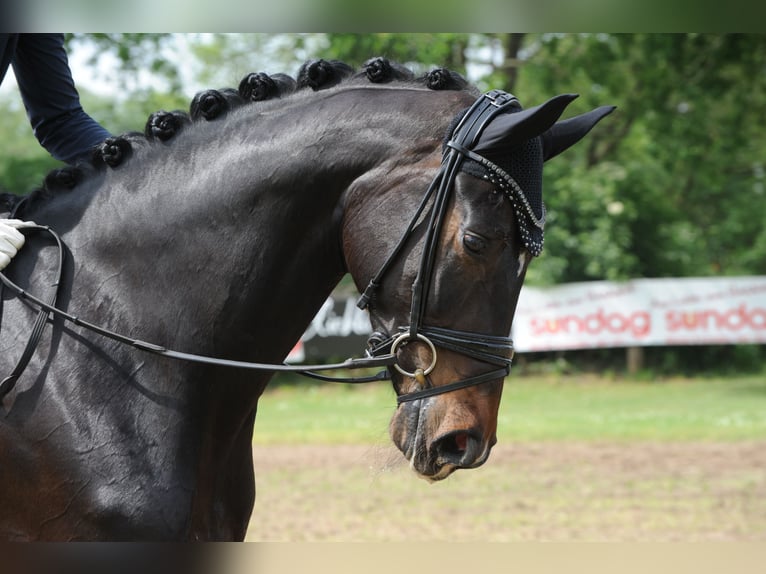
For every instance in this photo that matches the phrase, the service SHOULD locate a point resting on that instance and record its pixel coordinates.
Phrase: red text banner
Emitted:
(641, 312)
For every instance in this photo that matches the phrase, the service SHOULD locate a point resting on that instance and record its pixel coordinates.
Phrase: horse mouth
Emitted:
(435, 459)
(441, 474)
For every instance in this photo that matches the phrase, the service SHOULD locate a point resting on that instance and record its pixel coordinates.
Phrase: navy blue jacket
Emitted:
(49, 94)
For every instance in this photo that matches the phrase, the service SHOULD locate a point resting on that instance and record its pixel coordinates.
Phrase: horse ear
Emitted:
(513, 128)
(568, 132)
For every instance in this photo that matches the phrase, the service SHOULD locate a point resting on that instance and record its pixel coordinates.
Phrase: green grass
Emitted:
(733, 409)
(533, 408)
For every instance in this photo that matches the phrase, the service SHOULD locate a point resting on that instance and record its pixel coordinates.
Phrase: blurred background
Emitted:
(672, 185)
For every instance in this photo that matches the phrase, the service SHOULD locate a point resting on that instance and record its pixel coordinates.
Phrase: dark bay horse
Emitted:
(222, 234)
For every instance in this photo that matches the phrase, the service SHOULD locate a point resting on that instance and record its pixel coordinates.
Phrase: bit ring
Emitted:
(406, 337)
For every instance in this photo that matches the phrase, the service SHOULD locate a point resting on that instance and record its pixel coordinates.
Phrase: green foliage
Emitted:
(23, 175)
(679, 162)
(134, 53)
(420, 52)
(662, 361)
(224, 59)
(22, 161)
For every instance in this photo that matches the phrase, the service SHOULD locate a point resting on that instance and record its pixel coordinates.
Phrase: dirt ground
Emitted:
(563, 492)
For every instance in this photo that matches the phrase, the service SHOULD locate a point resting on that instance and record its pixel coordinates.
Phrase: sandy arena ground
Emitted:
(564, 492)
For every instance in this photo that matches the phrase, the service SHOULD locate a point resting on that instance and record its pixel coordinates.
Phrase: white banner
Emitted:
(598, 314)
(641, 312)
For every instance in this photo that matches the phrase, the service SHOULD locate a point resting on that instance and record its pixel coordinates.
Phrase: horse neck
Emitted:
(238, 241)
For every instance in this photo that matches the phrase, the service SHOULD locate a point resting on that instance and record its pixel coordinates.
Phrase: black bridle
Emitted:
(494, 350)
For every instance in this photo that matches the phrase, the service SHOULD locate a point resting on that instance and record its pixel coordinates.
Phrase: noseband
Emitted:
(494, 350)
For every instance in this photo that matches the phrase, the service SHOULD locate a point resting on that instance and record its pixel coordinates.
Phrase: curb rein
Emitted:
(486, 348)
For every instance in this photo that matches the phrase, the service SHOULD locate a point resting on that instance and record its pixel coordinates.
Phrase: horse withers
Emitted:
(221, 232)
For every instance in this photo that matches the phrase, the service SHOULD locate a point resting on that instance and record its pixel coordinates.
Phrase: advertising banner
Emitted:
(642, 312)
(597, 314)
(338, 331)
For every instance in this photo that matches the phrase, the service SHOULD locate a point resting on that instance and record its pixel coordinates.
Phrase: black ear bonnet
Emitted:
(516, 169)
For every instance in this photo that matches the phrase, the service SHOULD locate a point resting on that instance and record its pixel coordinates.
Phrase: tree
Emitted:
(669, 184)
(135, 55)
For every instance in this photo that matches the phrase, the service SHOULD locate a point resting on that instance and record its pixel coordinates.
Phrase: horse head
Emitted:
(442, 292)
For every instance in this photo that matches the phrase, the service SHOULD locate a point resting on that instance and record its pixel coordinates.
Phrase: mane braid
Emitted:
(381, 70)
(212, 104)
(9, 201)
(258, 87)
(163, 127)
(322, 74)
(113, 151)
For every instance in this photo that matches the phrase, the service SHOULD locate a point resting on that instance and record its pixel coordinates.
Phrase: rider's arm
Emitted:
(53, 105)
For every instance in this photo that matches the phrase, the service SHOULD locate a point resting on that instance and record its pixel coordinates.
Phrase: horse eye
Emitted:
(474, 243)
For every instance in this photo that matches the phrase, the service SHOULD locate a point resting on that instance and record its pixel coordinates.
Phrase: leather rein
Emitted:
(494, 350)
(48, 310)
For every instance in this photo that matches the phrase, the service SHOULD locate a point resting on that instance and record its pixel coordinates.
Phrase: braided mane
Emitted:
(209, 105)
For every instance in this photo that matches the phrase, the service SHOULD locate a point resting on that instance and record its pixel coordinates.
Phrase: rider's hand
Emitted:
(11, 239)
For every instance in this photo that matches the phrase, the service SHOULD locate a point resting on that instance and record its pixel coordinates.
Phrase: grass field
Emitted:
(533, 409)
(578, 459)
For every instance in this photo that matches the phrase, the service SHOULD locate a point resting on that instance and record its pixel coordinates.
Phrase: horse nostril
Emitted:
(459, 448)
(461, 441)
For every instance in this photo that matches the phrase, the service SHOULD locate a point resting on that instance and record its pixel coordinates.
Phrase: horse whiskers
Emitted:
(384, 458)
(417, 448)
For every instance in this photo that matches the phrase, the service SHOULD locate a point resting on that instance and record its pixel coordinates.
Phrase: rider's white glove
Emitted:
(11, 239)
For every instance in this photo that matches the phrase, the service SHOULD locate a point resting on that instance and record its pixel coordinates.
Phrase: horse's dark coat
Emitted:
(224, 239)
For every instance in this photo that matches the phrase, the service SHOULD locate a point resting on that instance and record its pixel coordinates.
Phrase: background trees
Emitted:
(672, 184)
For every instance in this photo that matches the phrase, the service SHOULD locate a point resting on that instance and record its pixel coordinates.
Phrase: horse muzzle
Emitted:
(446, 454)
(437, 441)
